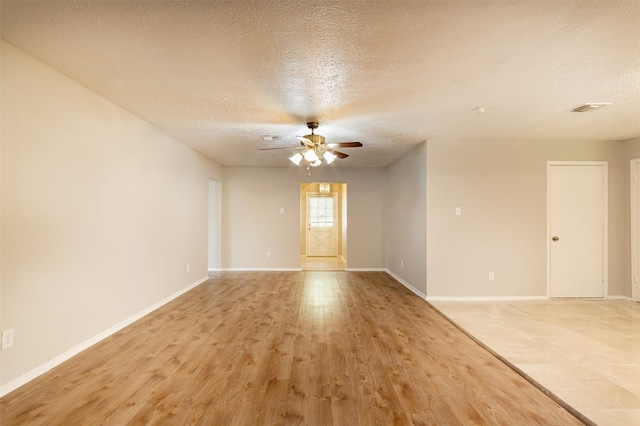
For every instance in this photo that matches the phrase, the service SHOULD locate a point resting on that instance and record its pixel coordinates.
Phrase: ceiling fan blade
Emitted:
(280, 147)
(305, 141)
(346, 145)
(338, 153)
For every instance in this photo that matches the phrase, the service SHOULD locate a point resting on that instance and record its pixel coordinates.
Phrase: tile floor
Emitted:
(585, 352)
(329, 263)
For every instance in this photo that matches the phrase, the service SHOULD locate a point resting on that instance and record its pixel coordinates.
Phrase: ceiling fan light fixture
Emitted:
(311, 156)
(296, 158)
(329, 157)
(315, 151)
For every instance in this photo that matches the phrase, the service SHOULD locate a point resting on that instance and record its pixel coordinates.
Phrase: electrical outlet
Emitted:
(7, 339)
(188, 267)
(268, 254)
(402, 263)
(492, 276)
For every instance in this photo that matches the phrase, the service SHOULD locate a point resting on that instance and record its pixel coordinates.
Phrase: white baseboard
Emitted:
(294, 269)
(262, 269)
(27, 377)
(506, 298)
(614, 297)
(483, 298)
(407, 285)
(366, 269)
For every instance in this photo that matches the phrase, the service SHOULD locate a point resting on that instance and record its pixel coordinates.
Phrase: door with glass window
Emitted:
(322, 225)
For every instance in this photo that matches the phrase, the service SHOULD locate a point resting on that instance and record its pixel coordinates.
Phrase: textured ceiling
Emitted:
(219, 74)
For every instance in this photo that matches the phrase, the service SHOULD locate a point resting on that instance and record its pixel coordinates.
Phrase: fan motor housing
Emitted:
(316, 139)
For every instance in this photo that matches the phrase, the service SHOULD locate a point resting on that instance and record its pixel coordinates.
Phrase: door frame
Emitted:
(635, 286)
(605, 218)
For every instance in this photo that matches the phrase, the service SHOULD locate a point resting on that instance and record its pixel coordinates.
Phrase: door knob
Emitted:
(555, 238)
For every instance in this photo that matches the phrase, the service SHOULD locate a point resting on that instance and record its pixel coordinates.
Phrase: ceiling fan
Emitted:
(314, 149)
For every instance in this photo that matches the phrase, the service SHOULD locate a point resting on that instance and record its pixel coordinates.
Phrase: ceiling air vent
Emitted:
(590, 106)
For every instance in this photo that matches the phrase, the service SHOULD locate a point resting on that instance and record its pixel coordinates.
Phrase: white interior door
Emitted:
(577, 229)
(322, 225)
(635, 228)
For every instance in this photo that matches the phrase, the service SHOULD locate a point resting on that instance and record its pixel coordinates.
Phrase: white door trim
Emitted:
(635, 290)
(605, 216)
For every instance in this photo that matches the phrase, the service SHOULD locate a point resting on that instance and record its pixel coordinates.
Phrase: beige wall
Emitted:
(101, 213)
(501, 188)
(215, 224)
(252, 222)
(631, 152)
(405, 224)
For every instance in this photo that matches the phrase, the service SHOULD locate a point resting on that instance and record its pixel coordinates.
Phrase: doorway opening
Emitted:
(323, 226)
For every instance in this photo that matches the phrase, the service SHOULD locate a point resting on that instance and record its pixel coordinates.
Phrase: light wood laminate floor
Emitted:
(587, 352)
(294, 348)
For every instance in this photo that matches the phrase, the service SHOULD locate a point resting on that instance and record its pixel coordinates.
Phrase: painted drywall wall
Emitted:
(252, 223)
(215, 224)
(405, 224)
(101, 213)
(631, 151)
(500, 187)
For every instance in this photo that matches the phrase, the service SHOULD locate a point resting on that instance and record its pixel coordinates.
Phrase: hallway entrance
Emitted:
(323, 225)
